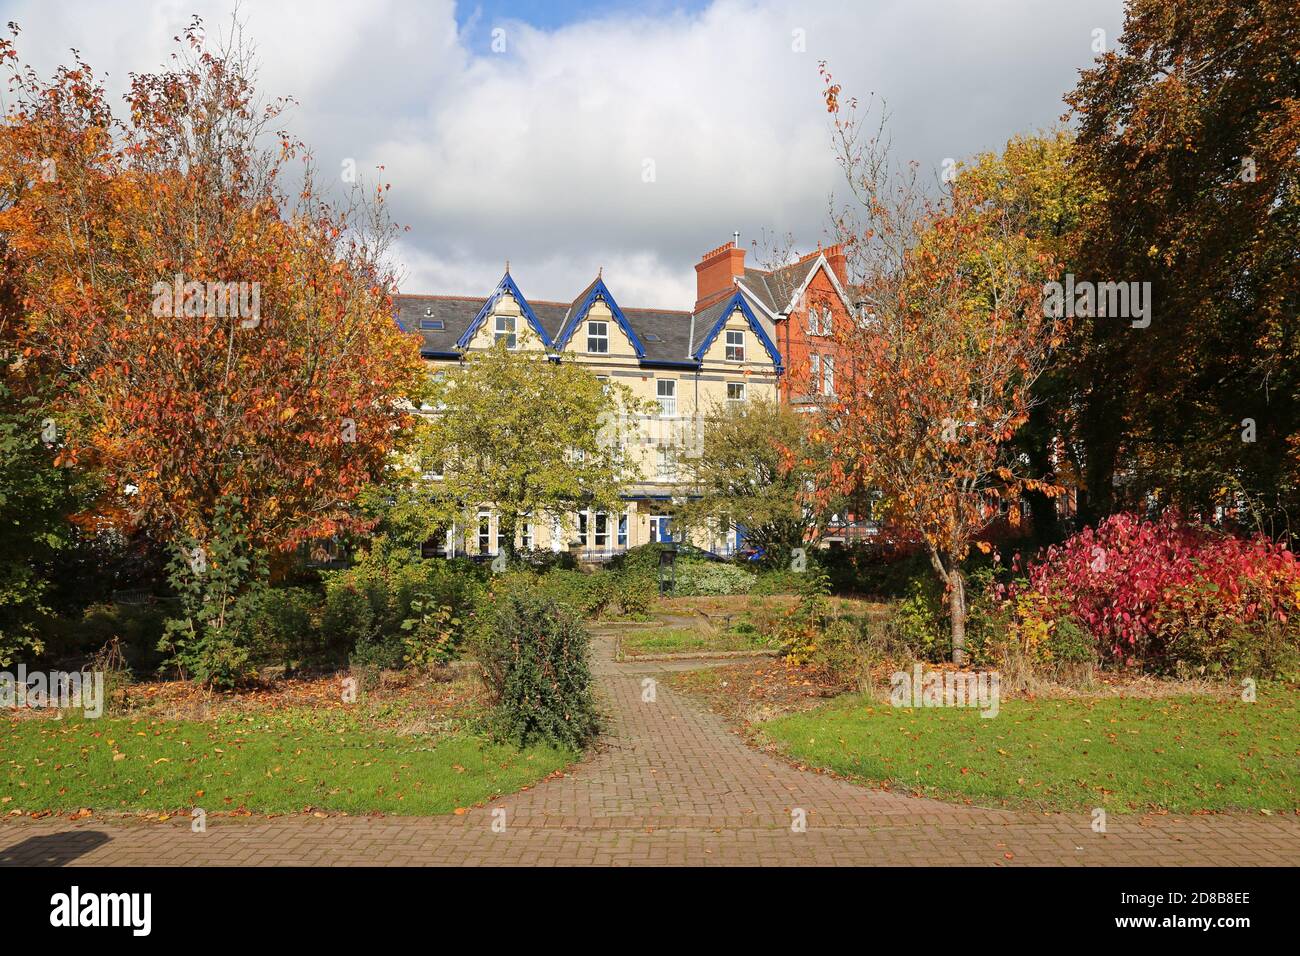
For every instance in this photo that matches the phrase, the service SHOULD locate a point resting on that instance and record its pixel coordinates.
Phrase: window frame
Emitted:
(510, 334)
(594, 337)
(669, 409)
(735, 351)
(739, 398)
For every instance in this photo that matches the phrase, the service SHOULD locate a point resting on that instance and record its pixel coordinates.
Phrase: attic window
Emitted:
(431, 325)
(651, 337)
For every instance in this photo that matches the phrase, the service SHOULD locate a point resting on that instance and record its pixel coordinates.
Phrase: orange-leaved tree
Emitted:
(219, 341)
(938, 365)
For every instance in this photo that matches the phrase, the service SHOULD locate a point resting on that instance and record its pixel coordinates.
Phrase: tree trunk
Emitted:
(957, 609)
(950, 574)
(508, 523)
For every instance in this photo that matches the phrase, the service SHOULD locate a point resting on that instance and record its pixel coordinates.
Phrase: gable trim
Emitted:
(835, 283)
(738, 301)
(599, 291)
(504, 287)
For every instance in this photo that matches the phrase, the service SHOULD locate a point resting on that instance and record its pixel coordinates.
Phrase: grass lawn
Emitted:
(1178, 754)
(284, 761)
(685, 640)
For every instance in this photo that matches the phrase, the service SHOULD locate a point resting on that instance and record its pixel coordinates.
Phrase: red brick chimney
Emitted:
(837, 261)
(715, 274)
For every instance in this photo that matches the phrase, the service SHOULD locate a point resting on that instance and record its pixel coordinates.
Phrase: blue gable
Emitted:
(505, 286)
(599, 291)
(738, 301)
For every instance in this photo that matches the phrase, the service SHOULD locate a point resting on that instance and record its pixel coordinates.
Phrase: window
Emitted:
(827, 327)
(506, 330)
(814, 327)
(666, 388)
(582, 528)
(666, 469)
(735, 391)
(484, 532)
(431, 325)
(622, 530)
(602, 530)
(735, 346)
(526, 535)
(598, 337)
(815, 372)
(828, 375)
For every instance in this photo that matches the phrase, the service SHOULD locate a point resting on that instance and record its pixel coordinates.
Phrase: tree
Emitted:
(1049, 199)
(940, 367)
(1193, 124)
(214, 340)
(751, 472)
(517, 431)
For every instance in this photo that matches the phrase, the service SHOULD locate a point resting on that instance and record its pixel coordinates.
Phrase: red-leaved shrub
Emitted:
(1138, 586)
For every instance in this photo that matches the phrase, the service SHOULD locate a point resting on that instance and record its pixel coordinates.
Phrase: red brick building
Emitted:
(802, 304)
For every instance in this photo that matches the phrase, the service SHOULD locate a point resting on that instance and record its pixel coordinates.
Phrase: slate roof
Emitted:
(776, 288)
(455, 312)
(665, 334)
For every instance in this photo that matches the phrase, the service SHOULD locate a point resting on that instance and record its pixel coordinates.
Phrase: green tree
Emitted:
(751, 472)
(1049, 200)
(515, 430)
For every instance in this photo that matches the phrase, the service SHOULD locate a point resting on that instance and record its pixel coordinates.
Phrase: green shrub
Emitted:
(777, 581)
(279, 626)
(391, 608)
(696, 577)
(918, 619)
(586, 594)
(635, 592)
(533, 651)
(218, 583)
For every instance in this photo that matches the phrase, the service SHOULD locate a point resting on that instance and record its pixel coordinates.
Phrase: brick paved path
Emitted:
(671, 784)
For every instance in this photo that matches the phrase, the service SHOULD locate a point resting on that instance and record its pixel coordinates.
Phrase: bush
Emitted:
(533, 651)
(218, 584)
(278, 626)
(1155, 593)
(919, 619)
(777, 581)
(392, 609)
(586, 594)
(136, 627)
(696, 577)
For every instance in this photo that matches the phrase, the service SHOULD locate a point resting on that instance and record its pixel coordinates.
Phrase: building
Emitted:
(727, 348)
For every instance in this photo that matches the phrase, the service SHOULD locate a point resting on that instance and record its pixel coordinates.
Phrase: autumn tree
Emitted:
(1193, 125)
(941, 363)
(1046, 196)
(513, 430)
(745, 475)
(217, 337)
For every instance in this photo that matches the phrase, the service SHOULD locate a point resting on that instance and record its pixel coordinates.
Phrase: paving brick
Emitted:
(671, 784)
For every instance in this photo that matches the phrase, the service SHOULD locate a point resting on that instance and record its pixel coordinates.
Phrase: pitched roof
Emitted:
(775, 288)
(454, 312)
(664, 335)
(710, 321)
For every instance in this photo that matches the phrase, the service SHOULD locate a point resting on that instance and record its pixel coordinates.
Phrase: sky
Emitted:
(571, 136)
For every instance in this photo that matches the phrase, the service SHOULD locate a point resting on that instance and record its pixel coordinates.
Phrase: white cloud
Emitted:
(537, 154)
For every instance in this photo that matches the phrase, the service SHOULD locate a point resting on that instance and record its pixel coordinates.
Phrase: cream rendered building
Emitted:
(681, 362)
